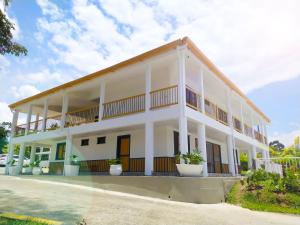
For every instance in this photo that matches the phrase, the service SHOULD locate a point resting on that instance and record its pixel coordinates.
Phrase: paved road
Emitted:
(70, 203)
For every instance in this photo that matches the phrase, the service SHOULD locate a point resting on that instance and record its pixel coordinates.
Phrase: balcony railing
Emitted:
(124, 106)
(53, 123)
(193, 100)
(222, 116)
(258, 136)
(210, 109)
(237, 124)
(164, 97)
(82, 116)
(20, 130)
(248, 130)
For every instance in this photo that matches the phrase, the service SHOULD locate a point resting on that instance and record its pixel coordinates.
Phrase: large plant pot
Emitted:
(115, 170)
(26, 170)
(71, 170)
(36, 171)
(13, 170)
(189, 170)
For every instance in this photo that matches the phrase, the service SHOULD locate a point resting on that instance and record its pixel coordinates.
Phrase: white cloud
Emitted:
(286, 138)
(5, 113)
(253, 42)
(50, 9)
(24, 91)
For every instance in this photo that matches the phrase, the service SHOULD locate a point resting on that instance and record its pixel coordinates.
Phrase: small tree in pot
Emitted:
(190, 164)
(13, 170)
(115, 167)
(73, 168)
(36, 170)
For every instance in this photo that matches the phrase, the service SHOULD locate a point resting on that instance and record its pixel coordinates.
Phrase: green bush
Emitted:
(291, 181)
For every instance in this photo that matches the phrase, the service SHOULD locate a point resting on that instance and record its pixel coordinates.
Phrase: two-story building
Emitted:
(144, 111)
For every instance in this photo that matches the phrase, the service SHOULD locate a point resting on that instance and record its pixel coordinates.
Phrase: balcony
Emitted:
(215, 112)
(237, 125)
(164, 97)
(248, 130)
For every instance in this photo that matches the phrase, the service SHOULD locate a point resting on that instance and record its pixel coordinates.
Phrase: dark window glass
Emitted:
(46, 149)
(101, 140)
(38, 149)
(45, 157)
(85, 142)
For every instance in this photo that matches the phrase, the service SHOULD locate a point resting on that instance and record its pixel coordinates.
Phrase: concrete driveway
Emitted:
(70, 203)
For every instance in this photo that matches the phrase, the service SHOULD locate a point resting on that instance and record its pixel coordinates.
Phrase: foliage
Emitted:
(11, 163)
(7, 45)
(74, 160)
(4, 132)
(276, 145)
(36, 163)
(194, 157)
(114, 161)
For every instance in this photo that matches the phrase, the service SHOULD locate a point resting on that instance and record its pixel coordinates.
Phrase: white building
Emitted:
(143, 111)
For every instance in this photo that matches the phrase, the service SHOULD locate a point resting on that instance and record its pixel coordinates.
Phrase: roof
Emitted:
(156, 51)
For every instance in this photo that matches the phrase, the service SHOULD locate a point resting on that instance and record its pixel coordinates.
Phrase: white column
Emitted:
(68, 153)
(252, 125)
(12, 133)
(32, 153)
(183, 142)
(201, 136)
(21, 156)
(242, 118)
(36, 124)
(101, 100)
(148, 88)
(28, 120)
(149, 148)
(250, 159)
(65, 106)
(45, 115)
(264, 154)
(230, 154)
(202, 89)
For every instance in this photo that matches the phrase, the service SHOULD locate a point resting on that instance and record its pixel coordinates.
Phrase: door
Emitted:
(217, 158)
(176, 143)
(60, 151)
(123, 151)
(214, 162)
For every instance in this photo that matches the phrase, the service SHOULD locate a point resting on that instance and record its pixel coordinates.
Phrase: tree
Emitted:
(7, 45)
(4, 132)
(276, 145)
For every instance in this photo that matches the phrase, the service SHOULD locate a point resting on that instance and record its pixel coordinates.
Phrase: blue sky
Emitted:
(255, 43)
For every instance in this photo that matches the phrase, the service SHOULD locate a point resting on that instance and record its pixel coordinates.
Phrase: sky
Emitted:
(254, 42)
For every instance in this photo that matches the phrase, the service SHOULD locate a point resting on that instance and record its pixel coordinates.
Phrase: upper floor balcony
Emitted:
(150, 86)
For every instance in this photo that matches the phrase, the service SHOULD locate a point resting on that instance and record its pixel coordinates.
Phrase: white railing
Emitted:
(269, 166)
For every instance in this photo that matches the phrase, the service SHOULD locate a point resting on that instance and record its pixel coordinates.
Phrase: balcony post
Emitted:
(202, 98)
(242, 118)
(201, 137)
(28, 120)
(183, 142)
(101, 100)
(149, 148)
(148, 85)
(12, 133)
(45, 115)
(252, 125)
(65, 106)
(36, 124)
(68, 153)
(253, 156)
(21, 156)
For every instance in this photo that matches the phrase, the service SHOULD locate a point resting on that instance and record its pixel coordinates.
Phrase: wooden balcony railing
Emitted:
(222, 116)
(164, 97)
(82, 116)
(237, 124)
(193, 100)
(248, 130)
(258, 136)
(53, 123)
(266, 140)
(20, 130)
(125, 106)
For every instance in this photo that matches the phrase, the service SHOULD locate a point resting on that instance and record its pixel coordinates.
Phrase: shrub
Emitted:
(193, 158)
(291, 181)
(114, 161)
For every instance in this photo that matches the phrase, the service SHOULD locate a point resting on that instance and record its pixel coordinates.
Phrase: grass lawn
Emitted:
(262, 200)
(13, 219)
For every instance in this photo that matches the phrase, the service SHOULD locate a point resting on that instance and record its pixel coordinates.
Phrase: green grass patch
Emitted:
(264, 200)
(14, 219)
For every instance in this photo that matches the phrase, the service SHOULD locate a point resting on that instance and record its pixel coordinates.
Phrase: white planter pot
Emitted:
(189, 170)
(13, 170)
(71, 170)
(115, 170)
(36, 171)
(26, 170)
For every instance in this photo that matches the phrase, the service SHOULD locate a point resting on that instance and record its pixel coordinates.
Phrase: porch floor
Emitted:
(185, 189)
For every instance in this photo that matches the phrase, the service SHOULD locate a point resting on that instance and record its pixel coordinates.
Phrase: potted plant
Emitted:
(73, 168)
(36, 170)
(190, 164)
(13, 170)
(115, 167)
(26, 169)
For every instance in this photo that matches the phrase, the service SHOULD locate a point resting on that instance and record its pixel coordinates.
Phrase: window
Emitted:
(101, 140)
(46, 149)
(38, 149)
(44, 157)
(85, 142)
(60, 151)
(196, 143)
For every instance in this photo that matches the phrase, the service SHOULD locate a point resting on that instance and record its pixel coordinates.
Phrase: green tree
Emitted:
(7, 45)
(4, 132)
